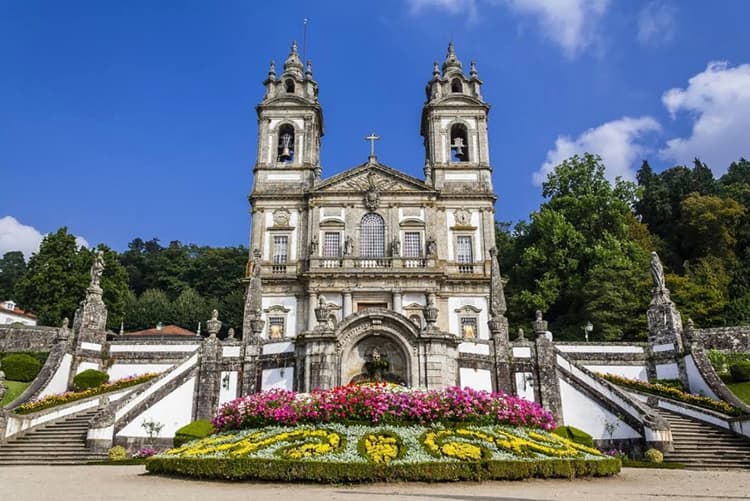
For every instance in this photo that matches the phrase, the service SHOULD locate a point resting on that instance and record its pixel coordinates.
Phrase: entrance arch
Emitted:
(377, 345)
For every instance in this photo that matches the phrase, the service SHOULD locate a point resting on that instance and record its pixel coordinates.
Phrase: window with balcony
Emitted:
(332, 244)
(280, 253)
(372, 240)
(464, 254)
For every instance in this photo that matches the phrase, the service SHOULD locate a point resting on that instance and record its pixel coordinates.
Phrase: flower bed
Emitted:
(72, 396)
(380, 404)
(675, 394)
(337, 452)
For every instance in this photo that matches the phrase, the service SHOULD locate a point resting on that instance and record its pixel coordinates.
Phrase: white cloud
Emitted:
(718, 99)
(571, 24)
(616, 142)
(15, 236)
(657, 23)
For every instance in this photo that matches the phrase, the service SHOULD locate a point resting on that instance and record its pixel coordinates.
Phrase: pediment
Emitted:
(364, 177)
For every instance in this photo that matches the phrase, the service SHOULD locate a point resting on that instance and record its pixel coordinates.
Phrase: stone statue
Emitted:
(431, 247)
(348, 246)
(395, 247)
(256, 268)
(97, 268)
(657, 272)
(314, 246)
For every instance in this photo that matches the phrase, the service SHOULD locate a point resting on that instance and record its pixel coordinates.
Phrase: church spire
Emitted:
(451, 63)
(293, 64)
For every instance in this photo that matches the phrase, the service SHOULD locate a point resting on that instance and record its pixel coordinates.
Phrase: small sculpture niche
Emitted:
(456, 86)
(286, 144)
(459, 143)
(289, 86)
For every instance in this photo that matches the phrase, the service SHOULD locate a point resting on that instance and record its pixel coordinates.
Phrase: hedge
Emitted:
(740, 372)
(20, 367)
(193, 431)
(90, 378)
(328, 472)
(574, 434)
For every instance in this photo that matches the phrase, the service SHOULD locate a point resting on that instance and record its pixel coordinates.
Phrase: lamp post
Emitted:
(589, 327)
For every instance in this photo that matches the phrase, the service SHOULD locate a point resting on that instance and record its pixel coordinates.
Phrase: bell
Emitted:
(286, 154)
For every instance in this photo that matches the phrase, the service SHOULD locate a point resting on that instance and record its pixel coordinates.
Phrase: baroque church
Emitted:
(373, 274)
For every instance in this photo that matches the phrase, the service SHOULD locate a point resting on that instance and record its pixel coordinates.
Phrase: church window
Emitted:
(280, 253)
(459, 143)
(275, 327)
(332, 244)
(464, 254)
(372, 236)
(468, 327)
(286, 143)
(456, 86)
(412, 244)
(289, 85)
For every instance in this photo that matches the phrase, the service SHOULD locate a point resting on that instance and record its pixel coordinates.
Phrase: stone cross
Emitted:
(372, 138)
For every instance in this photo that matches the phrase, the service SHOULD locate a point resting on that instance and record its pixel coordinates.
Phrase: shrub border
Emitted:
(329, 472)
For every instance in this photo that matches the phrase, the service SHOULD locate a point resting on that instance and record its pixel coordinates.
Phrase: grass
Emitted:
(15, 388)
(742, 390)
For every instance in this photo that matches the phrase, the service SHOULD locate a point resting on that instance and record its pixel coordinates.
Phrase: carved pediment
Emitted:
(372, 177)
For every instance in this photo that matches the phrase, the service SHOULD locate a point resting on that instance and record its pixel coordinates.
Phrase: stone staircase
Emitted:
(57, 443)
(698, 445)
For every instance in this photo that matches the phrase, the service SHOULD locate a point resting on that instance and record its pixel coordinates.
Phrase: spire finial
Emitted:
(272, 70)
(451, 49)
(451, 62)
(293, 64)
(308, 71)
(294, 47)
(435, 70)
(473, 69)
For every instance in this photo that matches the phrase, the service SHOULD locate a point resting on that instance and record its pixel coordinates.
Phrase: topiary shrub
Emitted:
(193, 431)
(653, 456)
(574, 434)
(89, 378)
(740, 372)
(117, 453)
(20, 367)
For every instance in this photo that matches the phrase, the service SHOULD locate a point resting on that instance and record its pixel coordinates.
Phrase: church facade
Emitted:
(373, 274)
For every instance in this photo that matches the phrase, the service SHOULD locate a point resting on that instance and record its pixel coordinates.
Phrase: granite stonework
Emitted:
(27, 338)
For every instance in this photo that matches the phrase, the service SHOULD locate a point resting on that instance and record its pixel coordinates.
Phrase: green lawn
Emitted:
(15, 388)
(742, 390)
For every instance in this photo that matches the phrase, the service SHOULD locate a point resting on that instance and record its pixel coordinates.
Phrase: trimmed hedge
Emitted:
(575, 435)
(20, 367)
(326, 472)
(740, 372)
(193, 431)
(90, 378)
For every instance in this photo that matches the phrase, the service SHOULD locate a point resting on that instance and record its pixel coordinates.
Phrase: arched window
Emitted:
(459, 143)
(289, 86)
(456, 86)
(372, 236)
(286, 143)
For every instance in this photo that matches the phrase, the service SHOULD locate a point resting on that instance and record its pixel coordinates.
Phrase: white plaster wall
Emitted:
(664, 347)
(84, 366)
(695, 380)
(413, 297)
(284, 347)
(230, 351)
(479, 379)
(9, 318)
(628, 371)
(522, 352)
(525, 385)
(289, 302)
(586, 414)
(228, 393)
(667, 371)
(173, 411)
(59, 382)
(153, 348)
(599, 348)
(457, 302)
(91, 346)
(119, 371)
(273, 378)
(401, 216)
(476, 348)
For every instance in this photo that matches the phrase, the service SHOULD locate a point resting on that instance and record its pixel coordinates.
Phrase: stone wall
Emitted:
(723, 338)
(27, 338)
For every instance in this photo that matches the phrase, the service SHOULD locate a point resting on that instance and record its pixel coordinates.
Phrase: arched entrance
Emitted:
(377, 345)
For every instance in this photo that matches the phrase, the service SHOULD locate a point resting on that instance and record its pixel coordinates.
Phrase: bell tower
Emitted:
(290, 125)
(454, 128)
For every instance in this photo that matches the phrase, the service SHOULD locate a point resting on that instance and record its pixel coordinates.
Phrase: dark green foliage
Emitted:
(12, 269)
(90, 378)
(322, 472)
(574, 434)
(39, 355)
(193, 431)
(740, 372)
(20, 367)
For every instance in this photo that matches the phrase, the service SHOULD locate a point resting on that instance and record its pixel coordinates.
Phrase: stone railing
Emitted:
(348, 262)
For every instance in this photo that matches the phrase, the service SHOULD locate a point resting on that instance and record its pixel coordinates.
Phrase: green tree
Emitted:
(151, 308)
(55, 279)
(190, 308)
(709, 226)
(12, 269)
(703, 292)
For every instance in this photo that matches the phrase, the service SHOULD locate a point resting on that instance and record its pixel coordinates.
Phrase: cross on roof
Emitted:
(372, 138)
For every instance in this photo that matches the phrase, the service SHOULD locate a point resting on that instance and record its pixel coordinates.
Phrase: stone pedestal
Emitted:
(501, 354)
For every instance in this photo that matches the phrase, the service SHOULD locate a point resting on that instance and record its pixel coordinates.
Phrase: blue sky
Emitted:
(136, 119)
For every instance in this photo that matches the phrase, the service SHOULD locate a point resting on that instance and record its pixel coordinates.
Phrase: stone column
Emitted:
(347, 306)
(209, 368)
(397, 303)
(548, 383)
(312, 303)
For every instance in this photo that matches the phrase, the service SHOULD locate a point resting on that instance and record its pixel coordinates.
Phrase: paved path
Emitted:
(83, 483)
